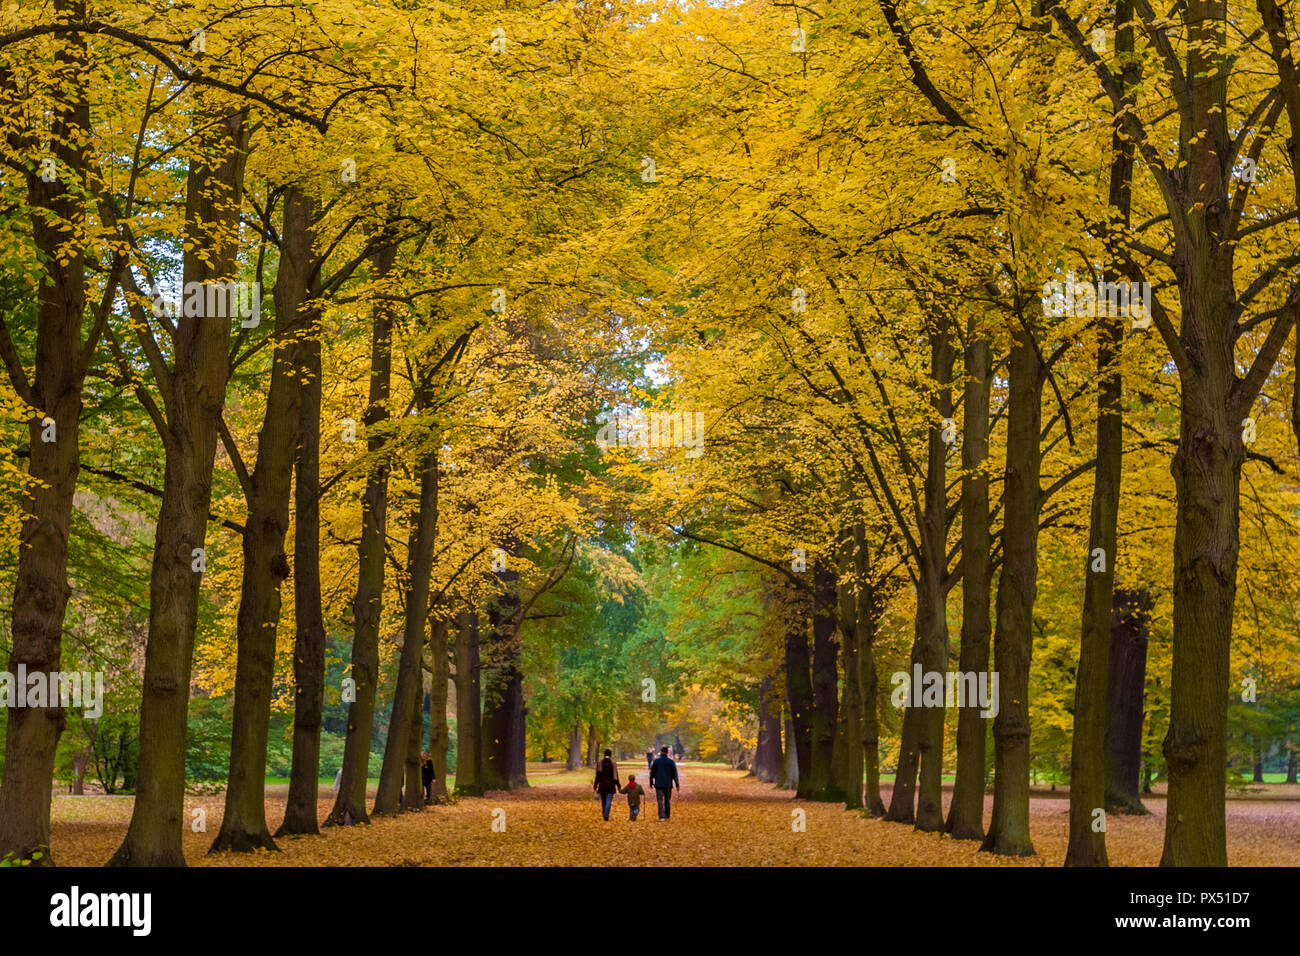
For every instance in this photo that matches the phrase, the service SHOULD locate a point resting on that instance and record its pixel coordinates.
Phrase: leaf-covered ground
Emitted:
(721, 818)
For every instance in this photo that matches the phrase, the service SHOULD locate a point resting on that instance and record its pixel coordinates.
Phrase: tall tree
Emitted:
(1008, 832)
(468, 705)
(966, 812)
(767, 754)
(40, 595)
(1087, 846)
(420, 558)
(439, 674)
(350, 804)
(267, 490)
(193, 392)
(309, 635)
(1203, 199)
(1129, 626)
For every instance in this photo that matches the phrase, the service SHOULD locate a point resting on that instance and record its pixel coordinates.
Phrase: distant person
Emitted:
(634, 793)
(649, 757)
(338, 778)
(663, 777)
(606, 783)
(427, 776)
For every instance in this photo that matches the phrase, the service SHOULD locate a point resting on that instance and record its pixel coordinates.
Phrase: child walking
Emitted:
(634, 793)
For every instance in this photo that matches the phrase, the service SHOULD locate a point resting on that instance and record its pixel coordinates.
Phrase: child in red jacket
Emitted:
(634, 793)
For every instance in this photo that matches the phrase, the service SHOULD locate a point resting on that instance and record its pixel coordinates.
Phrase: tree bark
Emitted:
(1129, 624)
(243, 824)
(420, 550)
(767, 753)
(1087, 845)
(966, 813)
(1207, 477)
(932, 618)
(309, 638)
(503, 700)
(194, 395)
(79, 763)
(821, 782)
(870, 683)
(591, 745)
(574, 759)
(799, 696)
(851, 589)
(468, 705)
(40, 595)
(439, 733)
(412, 798)
(1008, 832)
(790, 768)
(367, 608)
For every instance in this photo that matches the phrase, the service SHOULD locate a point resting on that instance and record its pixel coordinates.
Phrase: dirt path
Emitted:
(721, 818)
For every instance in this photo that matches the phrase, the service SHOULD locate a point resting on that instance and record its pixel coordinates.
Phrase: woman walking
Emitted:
(606, 783)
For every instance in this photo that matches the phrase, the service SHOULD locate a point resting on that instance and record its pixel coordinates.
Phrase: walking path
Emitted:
(720, 818)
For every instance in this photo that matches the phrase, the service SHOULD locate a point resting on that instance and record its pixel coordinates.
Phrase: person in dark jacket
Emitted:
(649, 758)
(606, 783)
(427, 776)
(663, 777)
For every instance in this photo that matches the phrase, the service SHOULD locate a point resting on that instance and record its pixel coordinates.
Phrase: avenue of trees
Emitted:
(629, 367)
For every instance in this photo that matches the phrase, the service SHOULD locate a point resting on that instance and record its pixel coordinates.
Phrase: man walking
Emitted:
(663, 777)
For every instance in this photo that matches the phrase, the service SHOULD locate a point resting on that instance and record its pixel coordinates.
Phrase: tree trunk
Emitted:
(439, 733)
(574, 760)
(502, 712)
(301, 806)
(821, 782)
(243, 824)
(1008, 832)
(79, 763)
(870, 717)
(767, 754)
(1129, 623)
(790, 768)
(852, 588)
(591, 745)
(932, 619)
(799, 696)
(966, 813)
(412, 798)
(1207, 474)
(419, 567)
(194, 397)
(40, 595)
(468, 706)
(921, 741)
(517, 766)
(1087, 846)
(1292, 764)
(503, 698)
(367, 608)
